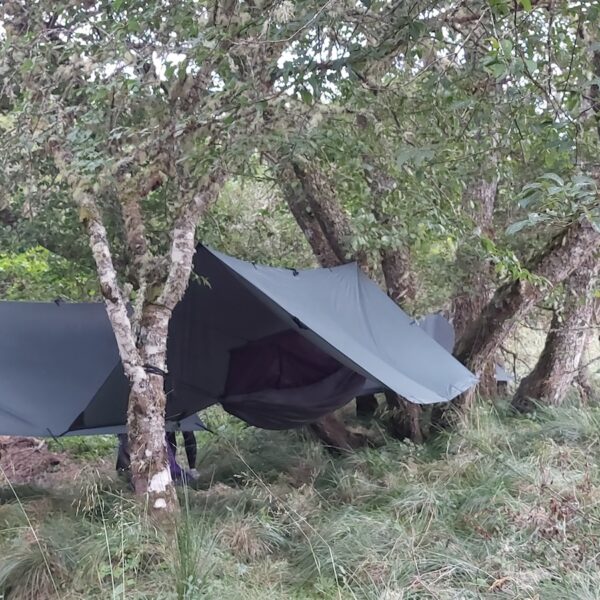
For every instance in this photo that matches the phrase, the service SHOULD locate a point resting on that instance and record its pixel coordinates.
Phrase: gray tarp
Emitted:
(57, 361)
(276, 347)
(339, 309)
(442, 331)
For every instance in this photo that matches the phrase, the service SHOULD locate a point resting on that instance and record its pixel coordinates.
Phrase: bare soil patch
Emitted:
(25, 460)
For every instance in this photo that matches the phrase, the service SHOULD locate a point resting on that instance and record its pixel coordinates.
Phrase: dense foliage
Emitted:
(432, 97)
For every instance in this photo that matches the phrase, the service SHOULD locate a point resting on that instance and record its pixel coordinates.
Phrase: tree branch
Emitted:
(183, 241)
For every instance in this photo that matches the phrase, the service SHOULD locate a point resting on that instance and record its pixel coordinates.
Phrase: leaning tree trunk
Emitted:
(327, 229)
(400, 283)
(314, 204)
(558, 366)
(150, 470)
(303, 214)
(513, 300)
(475, 289)
(322, 201)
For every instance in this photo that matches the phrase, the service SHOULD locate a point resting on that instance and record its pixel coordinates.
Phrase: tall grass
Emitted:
(506, 508)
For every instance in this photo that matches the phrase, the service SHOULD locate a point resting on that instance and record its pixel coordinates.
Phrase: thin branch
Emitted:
(183, 241)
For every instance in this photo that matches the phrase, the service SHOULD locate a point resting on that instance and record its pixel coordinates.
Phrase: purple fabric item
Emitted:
(284, 380)
(277, 362)
(176, 470)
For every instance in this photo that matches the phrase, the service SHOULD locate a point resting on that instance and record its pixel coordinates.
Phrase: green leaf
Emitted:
(531, 65)
(507, 46)
(553, 177)
(306, 96)
(526, 4)
(516, 227)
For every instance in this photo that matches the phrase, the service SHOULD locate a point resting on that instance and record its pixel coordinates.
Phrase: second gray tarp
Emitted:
(442, 331)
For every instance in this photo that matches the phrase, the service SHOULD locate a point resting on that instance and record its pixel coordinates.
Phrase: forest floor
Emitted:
(509, 508)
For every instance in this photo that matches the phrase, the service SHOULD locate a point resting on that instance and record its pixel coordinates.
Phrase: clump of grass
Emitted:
(35, 566)
(85, 447)
(252, 538)
(194, 558)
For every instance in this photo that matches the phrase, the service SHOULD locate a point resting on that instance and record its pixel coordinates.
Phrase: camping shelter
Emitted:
(442, 331)
(276, 347)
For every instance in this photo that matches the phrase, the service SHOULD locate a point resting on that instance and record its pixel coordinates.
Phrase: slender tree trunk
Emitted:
(146, 414)
(400, 283)
(333, 221)
(303, 214)
(475, 287)
(406, 418)
(558, 366)
(398, 276)
(327, 229)
(513, 300)
(400, 279)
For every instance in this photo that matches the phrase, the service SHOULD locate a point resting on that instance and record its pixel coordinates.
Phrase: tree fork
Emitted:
(564, 254)
(559, 364)
(146, 410)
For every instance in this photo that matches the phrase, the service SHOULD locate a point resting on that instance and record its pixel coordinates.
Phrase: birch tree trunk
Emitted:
(146, 413)
(558, 366)
(147, 401)
(144, 356)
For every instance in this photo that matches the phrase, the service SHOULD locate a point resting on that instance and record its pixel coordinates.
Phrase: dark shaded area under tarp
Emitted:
(278, 348)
